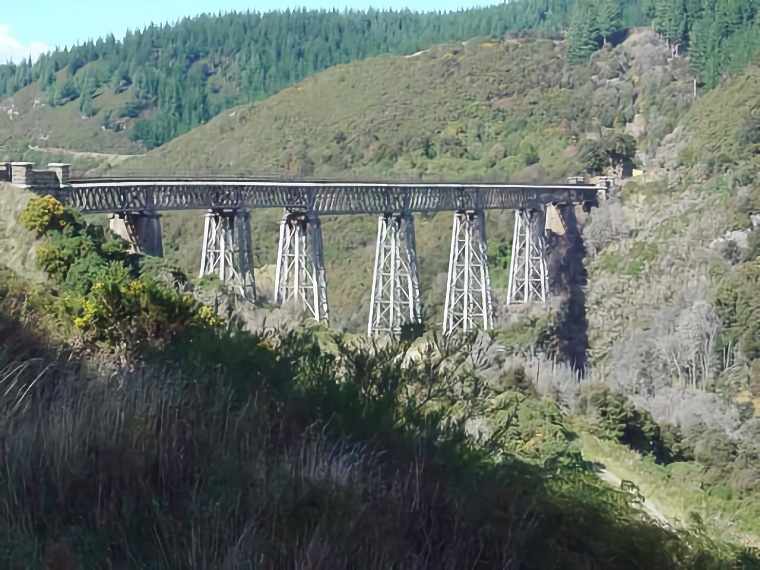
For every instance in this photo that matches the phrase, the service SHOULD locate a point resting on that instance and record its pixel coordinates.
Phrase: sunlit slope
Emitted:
(440, 112)
(27, 123)
(480, 110)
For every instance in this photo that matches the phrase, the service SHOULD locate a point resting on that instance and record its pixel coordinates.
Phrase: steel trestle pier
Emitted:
(227, 252)
(395, 284)
(468, 288)
(300, 276)
(527, 267)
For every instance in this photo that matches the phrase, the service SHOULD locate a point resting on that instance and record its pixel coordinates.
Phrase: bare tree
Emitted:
(693, 342)
(607, 225)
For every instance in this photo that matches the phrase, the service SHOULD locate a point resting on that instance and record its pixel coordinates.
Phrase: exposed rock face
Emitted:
(638, 127)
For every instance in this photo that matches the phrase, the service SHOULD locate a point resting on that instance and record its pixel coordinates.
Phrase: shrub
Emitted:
(127, 312)
(737, 304)
(636, 428)
(45, 214)
(110, 295)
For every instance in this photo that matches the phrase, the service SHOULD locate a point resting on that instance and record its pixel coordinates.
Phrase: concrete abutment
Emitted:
(141, 229)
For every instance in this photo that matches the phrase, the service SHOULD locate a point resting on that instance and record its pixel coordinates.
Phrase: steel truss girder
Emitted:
(395, 297)
(468, 289)
(334, 198)
(300, 276)
(527, 268)
(227, 252)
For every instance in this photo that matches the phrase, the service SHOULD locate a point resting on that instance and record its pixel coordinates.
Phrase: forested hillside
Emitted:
(165, 80)
(160, 82)
(486, 110)
(720, 36)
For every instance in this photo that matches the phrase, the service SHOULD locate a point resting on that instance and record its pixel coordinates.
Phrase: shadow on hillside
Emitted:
(277, 458)
(618, 37)
(30, 367)
(568, 278)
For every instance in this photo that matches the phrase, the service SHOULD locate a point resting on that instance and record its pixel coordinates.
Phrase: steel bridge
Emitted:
(134, 206)
(320, 198)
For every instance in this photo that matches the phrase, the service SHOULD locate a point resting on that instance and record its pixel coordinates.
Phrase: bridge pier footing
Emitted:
(141, 229)
(227, 252)
(468, 288)
(300, 276)
(395, 300)
(527, 268)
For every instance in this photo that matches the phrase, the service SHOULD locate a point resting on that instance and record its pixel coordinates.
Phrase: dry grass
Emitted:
(272, 462)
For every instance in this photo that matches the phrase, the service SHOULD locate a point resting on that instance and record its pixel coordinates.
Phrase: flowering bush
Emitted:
(108, 293)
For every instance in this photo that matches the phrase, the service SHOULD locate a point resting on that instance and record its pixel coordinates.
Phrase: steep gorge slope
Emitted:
(483, 110)
(666, 245)
(672, 291)
(140, 431)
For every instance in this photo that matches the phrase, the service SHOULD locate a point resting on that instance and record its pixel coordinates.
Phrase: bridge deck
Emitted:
(321, 198)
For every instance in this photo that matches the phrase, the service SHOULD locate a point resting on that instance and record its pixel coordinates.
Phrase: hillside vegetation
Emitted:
(171, 391)
(140, 430)
(164, 80)
(484, 110)
(671, 296)
(160, 82)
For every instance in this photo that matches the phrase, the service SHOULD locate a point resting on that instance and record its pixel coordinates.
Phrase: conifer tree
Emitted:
(650, 9)
(703, 48)
(608, 15)
(670, 19)
(583, 34)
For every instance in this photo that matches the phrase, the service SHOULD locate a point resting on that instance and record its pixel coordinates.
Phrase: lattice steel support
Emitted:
(395, 283)
(300, 276)
(468, 290)
(227, 252)
(527, 268)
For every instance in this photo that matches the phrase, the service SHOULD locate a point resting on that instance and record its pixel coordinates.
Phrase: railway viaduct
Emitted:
(134, 206)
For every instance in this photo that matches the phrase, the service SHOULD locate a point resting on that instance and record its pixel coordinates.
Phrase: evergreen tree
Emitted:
(583, 33)
(671, 19)
(650, 9)
(608, 16)
(85, 104)
(701, 47)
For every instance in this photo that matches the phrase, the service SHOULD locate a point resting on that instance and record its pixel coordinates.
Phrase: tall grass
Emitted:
(251, 452)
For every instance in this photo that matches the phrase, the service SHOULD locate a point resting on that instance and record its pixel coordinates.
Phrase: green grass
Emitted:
(677, 491)
(41, 125)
